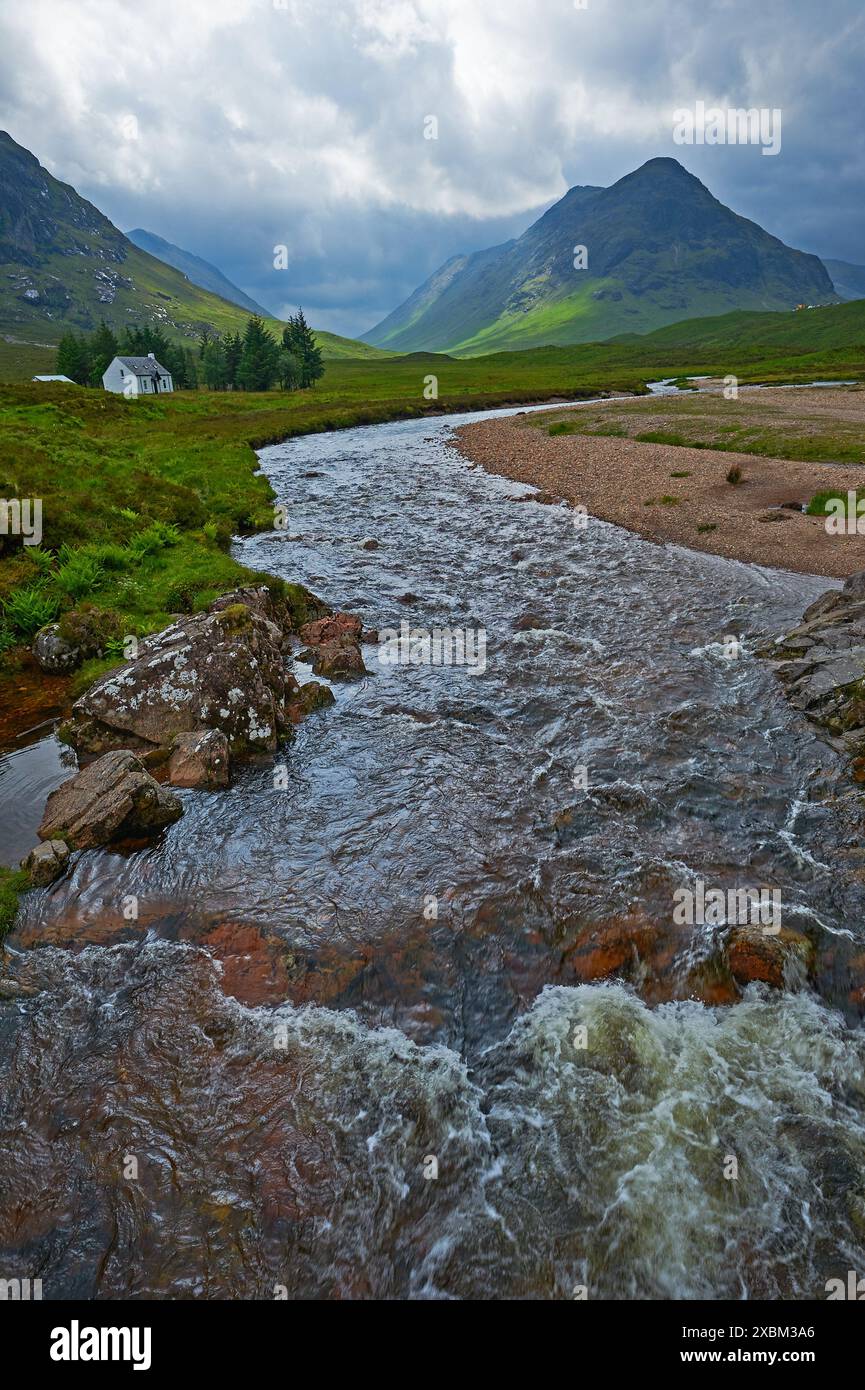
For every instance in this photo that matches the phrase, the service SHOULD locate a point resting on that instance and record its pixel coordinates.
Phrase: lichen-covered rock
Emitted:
(223, 669)
(200, 760)
(114, 798)
(54, 655)
(46, 862)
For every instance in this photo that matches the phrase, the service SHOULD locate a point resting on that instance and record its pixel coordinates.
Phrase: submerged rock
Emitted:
(113, 798)
(782, 961)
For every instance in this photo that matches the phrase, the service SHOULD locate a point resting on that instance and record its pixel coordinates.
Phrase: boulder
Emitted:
(339, 661)
(114, 798)
(223, 669)
(46, 862)
(200, 760)
(53, 654)
(334, 647)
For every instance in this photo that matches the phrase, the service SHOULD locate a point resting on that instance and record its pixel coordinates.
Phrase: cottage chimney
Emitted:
(152, 355)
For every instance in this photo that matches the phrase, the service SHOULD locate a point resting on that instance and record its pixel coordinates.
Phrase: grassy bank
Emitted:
(795, 426)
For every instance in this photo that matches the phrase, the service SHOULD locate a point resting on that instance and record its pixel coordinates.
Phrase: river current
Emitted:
(445, 1110)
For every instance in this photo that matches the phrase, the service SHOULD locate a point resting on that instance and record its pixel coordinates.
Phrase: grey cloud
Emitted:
(303, 123)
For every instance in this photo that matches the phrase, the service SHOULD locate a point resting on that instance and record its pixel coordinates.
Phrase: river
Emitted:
(445, 1110)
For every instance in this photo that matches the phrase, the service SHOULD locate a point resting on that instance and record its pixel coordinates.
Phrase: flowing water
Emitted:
(384, 1075)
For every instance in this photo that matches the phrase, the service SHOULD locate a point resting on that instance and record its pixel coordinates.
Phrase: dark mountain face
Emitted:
(64, 265)
(39, 215)
(658, 248)
(199, 271)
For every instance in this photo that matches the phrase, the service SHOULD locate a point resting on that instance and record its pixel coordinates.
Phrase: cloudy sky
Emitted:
(234, 126)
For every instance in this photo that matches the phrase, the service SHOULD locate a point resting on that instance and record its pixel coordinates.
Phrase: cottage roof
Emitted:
(143, 366)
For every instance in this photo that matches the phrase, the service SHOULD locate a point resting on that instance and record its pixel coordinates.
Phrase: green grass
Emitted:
(819, 504)
(13, 882)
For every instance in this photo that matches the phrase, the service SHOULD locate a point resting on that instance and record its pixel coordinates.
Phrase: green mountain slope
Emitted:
(64, 265)
(837, 326)
(199, 271)
(660, 248)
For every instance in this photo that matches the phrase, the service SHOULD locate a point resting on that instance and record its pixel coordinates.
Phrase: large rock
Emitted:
(112, 799)
(200, 760)
(224, 669)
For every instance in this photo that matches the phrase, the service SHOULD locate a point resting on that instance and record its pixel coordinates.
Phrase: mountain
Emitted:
(64, 265)
(849, 280)
(199, 271)
(660, 249)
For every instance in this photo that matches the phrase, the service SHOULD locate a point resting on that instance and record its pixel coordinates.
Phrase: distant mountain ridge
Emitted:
(849, 280)
(64, 266)
(196, 269)
(660, 248)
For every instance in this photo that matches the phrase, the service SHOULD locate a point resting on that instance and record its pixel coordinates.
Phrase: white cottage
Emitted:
(137, 376)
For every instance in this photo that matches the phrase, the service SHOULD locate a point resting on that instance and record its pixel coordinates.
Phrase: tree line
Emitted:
(252, 361)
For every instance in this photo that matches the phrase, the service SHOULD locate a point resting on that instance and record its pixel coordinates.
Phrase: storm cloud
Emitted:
(232, 127)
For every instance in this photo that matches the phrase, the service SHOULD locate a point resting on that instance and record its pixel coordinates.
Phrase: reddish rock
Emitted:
(332, 629)
(616, 947)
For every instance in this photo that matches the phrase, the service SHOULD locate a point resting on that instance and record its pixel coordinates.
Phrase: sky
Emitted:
(233, 127)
